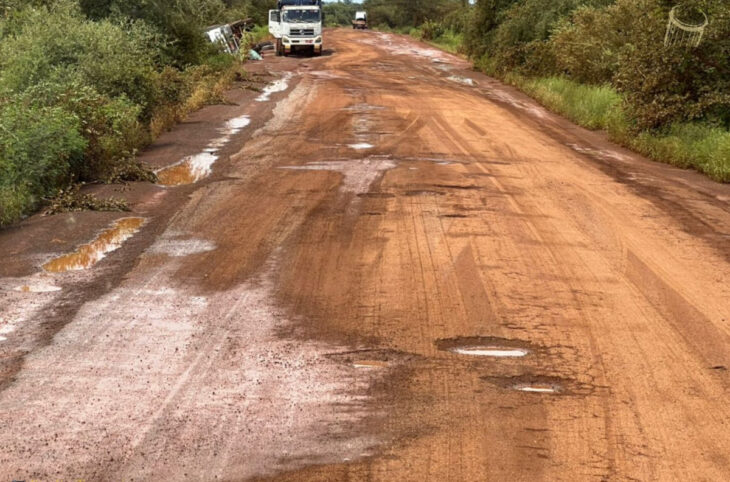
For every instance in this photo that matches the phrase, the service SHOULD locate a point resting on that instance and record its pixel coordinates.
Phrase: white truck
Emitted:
(297, 26)
(361, 20)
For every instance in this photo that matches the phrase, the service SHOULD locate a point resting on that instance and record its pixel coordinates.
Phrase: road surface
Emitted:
(383, 266)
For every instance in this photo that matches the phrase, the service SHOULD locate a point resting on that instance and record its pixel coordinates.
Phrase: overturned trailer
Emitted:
(230, 36)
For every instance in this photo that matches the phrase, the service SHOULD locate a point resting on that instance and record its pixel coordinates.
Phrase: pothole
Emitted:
(190, 170)
(88, 255)
(359, 174)
(536, 384)
(194, 168)
(492, 351)
(370, 364)
(360, 146)
(485, 347)
(548, 389)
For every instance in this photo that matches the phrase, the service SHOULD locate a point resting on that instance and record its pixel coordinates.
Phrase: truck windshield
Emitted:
(301, 16)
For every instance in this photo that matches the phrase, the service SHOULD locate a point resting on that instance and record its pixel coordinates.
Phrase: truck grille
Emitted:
(302, 32)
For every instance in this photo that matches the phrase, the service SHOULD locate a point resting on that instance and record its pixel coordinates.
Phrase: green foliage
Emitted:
(85, 84)
(595, 107)
(684, 144)
(340, 13)
(38, 145)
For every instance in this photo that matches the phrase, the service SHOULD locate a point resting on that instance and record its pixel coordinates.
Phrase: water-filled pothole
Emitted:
(360, 146)
(535, 384)
(88, 255)
(370, 364)
(485, 346)
(191, 169)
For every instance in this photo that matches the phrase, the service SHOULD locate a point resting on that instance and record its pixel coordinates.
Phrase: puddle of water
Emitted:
(191, 169)
(492, 351)
(485, 347)
(538, 388)
(235, 125)
(194, 168)
(370, 364)
(38, 288)
(462, 80)
(279, 85)
(88, 255)
(360, 146)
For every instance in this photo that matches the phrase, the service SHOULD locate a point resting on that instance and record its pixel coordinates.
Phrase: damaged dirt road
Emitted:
(383, 267)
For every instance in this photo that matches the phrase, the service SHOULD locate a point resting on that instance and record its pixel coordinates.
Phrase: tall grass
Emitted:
(689, 145)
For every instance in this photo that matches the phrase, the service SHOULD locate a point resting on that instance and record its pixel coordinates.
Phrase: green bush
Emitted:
(94, 90)
(38, 145)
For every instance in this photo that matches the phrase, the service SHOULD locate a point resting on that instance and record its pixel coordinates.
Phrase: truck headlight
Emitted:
(286, 39)
(318, 40)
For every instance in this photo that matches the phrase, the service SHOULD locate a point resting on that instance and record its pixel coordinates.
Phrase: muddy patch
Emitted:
(359, 174)
(195, 168)
(88, 255)
(485, 347)
(540, 385)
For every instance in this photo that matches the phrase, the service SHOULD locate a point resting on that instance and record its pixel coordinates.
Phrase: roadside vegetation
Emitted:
(84, 84)
(601, 63)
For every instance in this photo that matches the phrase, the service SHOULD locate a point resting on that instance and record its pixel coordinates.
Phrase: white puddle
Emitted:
(537, 389)
(360, 146)
(279, 85)
(178, 248)
(462, 80)
(490, 351)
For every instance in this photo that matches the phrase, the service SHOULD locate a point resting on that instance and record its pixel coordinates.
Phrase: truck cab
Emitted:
(297, 26)
(361, 20)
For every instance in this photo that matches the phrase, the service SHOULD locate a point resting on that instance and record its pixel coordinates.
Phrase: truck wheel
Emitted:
(279, 48)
